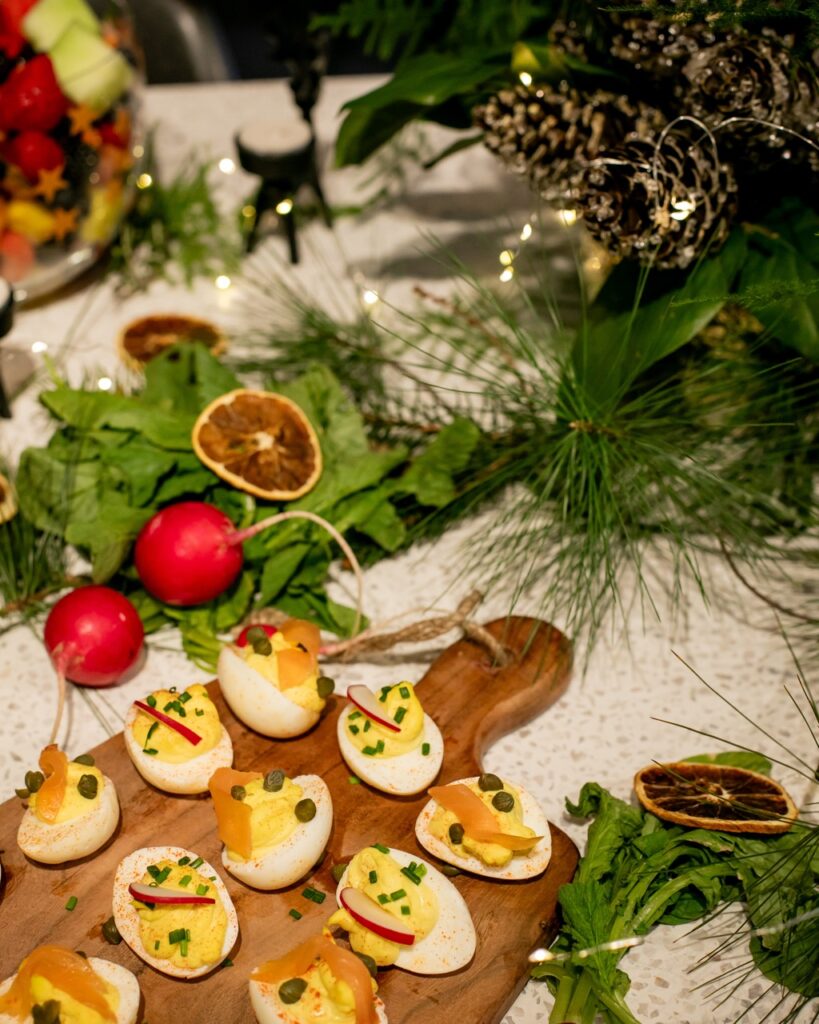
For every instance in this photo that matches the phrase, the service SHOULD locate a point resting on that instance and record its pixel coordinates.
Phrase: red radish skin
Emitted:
(183, 730)
(241, 639)
(186, 554)
(365, 700)
(369, 914)
(156, 894)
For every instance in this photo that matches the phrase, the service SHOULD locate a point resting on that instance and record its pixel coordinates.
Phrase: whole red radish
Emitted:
(187, 553)
(94, 635)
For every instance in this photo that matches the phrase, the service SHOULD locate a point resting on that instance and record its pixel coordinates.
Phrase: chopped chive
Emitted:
(150, 750)
(421, 870)
(170, 705)
(72, 902)
(411, 876)
(399, 894)
(181, 711)
(425, 748)
(368, 725)
(381, 848)
(379, 747)
(152, 870)
(227, 962)
(163, 874)
(405, 909)
(197, 863)
(354, 780)
(202, 889)
(399, 715)
(354, 730)
(314, 895)
(384, 691)
(150, 700)
(185, 880)
(183, 947)
(183, 861)
(404, 692)
(177, 935)
(156, 944)
(383, 898)
(373, 877)
(369, 751)
(199, 712)
(294, 914)
(151, 731)
(184, 697)
(353, 715)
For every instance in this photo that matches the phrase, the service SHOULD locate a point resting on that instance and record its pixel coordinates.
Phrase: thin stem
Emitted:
(240, 536)
(59, 668)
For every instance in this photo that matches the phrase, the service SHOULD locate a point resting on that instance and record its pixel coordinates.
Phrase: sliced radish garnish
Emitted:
(241, 639)
(366, 701)
(183, 730)
(367, 912)
(156, 894)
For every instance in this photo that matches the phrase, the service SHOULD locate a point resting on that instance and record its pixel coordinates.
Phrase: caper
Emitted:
(450, 870)
(259, 640)
(489, 782)
(82, 953)
(337, 871)
(503, 801)
(110, 932)
(456, 833)
(368, 962)
(325, 686)
(238, 792)
(85, 759)
(34, 780)
(305, 810)
(88, 786)
(22, 793)
(46, 1013)
(291, 991)
(274, 780)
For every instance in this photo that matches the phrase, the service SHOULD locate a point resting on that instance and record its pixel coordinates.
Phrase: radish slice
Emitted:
(366, 701)
(156, 894)
(241, 639)
(367, 912)
(183, 730)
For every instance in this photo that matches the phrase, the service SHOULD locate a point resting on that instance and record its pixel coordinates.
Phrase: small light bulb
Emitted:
(507, 275)
(284, 207)
(144, 181)
(567, 216)
(682, 208)
(248, 210)
(526, 233)
(525, 78)
(226, 165)
(105, 383)
(38, 347)
(139, 151)
(223, 282)
(506, 258)
(369, 297)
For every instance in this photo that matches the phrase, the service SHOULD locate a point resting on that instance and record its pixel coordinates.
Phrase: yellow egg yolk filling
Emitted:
(400, 704)
(305, 694)
(379, 875)
(272, 815)
(71, 1011)
(509, 822)
(326, 998)
(74, 804)
(193, 708)
(205, 924)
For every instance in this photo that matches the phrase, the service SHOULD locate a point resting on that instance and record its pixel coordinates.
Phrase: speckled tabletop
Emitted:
(606, 726)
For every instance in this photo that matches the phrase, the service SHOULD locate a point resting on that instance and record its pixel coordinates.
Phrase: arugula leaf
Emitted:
(429, 477)
(186, 378)
(747, 759)
(92, 409)
(109, 535)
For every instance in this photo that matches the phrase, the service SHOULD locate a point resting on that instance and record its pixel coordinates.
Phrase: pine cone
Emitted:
(660, 48)
(568, 36)
(660, 203)
(548, 136)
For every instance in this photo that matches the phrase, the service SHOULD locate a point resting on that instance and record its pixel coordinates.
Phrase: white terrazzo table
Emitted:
(605, 727)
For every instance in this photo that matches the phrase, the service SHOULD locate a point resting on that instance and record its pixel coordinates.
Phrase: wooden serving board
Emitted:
(473, 704)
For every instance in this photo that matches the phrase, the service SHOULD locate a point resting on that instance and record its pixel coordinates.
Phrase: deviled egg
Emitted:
(174, 911)
(317, 981)
(176, 740)
(72, 809)
(388, 740)
(401, 910)
(272, 682)
(487, 826)
(55, 980)
(274, 828)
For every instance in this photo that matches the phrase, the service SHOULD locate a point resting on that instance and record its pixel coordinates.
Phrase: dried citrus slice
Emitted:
(715, 796)
(144, 339)
(260, 442)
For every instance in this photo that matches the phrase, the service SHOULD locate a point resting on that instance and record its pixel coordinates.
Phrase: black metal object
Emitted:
(6, 318)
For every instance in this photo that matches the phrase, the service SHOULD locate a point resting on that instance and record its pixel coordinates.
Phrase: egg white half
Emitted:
(131, 869)
(279, 866)
(120, 977)
(72, 839)
(519, 867)
(451, 943)
(269, 1009)
(259, 703)
(186, 777)
(402, 775)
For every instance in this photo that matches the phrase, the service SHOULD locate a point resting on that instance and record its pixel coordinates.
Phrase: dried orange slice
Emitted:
(715, 796)
(144, 339)
(260, 442)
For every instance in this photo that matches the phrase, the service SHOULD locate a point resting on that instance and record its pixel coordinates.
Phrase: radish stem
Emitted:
(59, 668)
(239, 536)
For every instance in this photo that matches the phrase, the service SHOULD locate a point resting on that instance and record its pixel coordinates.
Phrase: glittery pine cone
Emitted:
(661, 203)
(660, 48)
(548, 136)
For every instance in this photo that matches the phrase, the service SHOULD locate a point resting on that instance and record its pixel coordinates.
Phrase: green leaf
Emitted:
(142, 467)
(615, 823)
(53, 493)
(279, 569)
(384, 526)
(747, 759)
(108, 537)
(454, 147)
(186, 378)
(429, 477)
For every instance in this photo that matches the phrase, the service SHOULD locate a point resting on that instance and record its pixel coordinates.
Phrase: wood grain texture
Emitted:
(473, 704)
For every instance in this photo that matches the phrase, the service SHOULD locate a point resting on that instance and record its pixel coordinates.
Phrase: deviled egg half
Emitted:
(271, 681)
(56, 984)
(486, 825)
(400, 910)
(72, 809)
(388, 740)
(317, 981)
(274, 828)
(174, 911)
(177, 740)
